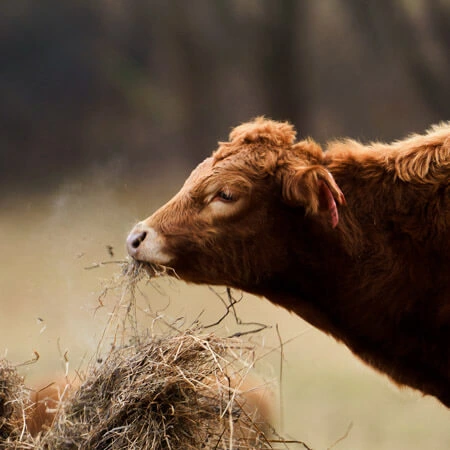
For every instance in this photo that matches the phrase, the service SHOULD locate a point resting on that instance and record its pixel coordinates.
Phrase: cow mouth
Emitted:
(137, 270)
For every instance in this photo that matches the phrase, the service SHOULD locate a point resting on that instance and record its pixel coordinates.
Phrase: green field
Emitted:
(48, 299)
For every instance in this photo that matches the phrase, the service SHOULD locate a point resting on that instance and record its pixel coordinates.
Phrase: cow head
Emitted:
(232, 220)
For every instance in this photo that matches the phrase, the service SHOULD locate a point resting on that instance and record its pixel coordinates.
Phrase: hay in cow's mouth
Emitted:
(137, 270)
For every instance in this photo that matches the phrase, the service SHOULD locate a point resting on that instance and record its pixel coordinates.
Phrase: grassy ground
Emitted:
(48, 299)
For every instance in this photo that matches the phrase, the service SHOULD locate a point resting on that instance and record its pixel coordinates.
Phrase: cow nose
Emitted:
(134, 240)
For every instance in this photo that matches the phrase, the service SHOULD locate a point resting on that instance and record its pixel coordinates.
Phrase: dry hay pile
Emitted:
(186, 391)
(176, 392)
(14, 403)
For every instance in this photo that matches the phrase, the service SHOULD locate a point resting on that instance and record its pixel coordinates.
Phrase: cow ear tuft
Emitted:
(315, 189)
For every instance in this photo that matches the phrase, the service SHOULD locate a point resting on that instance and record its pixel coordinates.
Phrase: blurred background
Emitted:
(105, 108)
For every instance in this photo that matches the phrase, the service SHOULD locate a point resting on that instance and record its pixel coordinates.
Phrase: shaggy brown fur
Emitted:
(267, 215)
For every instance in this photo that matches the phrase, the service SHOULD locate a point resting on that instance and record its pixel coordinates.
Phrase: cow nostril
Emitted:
(136, 242)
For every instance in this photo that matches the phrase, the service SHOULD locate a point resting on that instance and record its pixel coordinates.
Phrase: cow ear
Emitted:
(315, 189)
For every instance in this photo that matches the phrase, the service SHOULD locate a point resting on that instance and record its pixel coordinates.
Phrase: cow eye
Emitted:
(225, 196)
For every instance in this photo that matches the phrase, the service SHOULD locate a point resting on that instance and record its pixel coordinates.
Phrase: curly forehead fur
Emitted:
(264, 146)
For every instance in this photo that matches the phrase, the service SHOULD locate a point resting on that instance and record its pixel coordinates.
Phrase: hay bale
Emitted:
(14, 404)
(170, 392)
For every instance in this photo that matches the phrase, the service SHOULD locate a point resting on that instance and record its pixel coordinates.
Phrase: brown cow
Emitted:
(45, 404)
(267, 215)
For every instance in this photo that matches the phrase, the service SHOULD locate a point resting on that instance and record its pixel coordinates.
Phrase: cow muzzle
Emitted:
(145, 244)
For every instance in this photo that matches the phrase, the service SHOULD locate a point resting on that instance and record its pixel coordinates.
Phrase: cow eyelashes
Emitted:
(224, 196)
